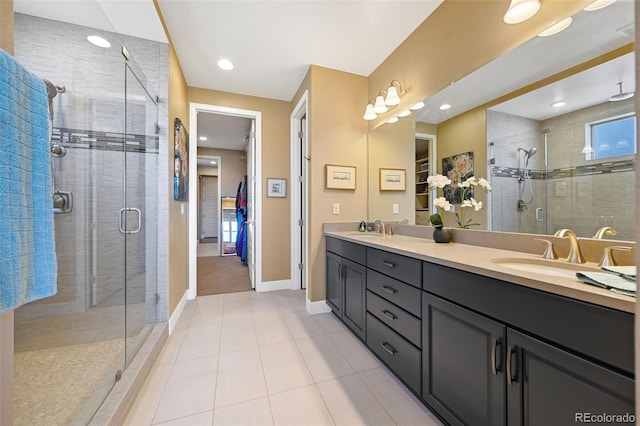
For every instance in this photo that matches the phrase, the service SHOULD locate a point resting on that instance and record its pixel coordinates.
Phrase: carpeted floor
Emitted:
(222, 274)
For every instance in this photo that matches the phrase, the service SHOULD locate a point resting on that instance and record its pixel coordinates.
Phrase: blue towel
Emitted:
(27, 244)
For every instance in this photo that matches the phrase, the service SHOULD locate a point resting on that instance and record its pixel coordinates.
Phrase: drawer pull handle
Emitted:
(387, 347)
(510, 376)
(494, 357)
(389, 290)
(389, 315)
(389, 264)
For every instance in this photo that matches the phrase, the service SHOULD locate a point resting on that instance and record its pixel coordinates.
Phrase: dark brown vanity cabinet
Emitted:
(480, 368)
(347, 283)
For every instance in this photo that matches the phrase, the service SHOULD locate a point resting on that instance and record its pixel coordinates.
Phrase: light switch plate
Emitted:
(396, 209)
(336, 208)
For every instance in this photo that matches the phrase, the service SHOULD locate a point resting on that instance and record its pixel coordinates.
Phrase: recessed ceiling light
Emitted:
(212, 162)
(404, 113)
(203, 138)
(225, 64)
(445, 107)
(558, 104)
(417, 106)
(557, 27)
(598, 4)
(98, 41)
(392, 120)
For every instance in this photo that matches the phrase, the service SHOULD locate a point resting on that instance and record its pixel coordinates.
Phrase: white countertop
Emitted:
(478, 260)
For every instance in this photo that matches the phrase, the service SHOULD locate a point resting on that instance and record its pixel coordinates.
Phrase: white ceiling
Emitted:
(590, 35)
(223, 131)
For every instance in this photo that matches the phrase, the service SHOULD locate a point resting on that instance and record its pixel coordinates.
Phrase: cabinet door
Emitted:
(334, 283)
(462, 364)
(355, 289)
(549, 386)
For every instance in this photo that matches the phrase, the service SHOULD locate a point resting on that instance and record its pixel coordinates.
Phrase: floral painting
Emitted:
(458, 168)
(180, 162)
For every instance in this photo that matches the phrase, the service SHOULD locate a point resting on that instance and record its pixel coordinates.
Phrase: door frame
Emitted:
(299, 250)
(194, 109)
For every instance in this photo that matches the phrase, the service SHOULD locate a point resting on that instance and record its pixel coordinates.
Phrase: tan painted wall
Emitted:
(426, 128)
(234, 167)
(393, 147)
(337, 135)
(276, 215)
(466, 132)
(6, 319)
(458, 37)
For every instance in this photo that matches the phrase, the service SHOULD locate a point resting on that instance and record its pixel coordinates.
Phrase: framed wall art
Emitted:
(180, 162)
(340, 177)
(393, 179)
(276, 187)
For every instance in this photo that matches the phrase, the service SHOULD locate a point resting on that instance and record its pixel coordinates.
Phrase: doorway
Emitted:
(299, 194)
(250, 157)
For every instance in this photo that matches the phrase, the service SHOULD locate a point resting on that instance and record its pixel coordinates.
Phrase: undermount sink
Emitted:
(366, 235)
(556, 268)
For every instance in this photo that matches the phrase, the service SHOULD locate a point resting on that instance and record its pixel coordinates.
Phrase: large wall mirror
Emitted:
(536, 155)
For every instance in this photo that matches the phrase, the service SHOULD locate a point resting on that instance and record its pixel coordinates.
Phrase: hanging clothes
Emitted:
(241, 216)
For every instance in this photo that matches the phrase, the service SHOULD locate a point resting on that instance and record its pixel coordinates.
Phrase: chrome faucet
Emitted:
(575, 256)
(605, 230)
(379, 223)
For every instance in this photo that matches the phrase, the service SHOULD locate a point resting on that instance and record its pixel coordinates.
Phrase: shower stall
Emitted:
(544, 179)
(71, 348)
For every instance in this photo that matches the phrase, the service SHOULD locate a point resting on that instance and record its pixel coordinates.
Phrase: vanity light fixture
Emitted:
(445, 107)
(392, 120)
(587, 149)
(520, 11)
(558, 104)
(405, 113)
(598, 4)
(417, 106)
(620, 96)
(386, 100)
(99, 41)
(557, 27)
(225, 64)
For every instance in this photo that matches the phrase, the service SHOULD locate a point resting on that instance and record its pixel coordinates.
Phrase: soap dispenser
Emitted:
(363, 226)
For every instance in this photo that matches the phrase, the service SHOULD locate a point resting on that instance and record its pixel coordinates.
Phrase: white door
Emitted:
(251, 209)
(302, 222)
(209, 206)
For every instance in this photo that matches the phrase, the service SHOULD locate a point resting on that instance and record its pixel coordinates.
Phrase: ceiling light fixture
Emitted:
(392, 120)
(558, 104)
(225, 64)
(598, 4)
(212, 162)
(620, 96)
(417, 106)
(99, 41)
(386, 100)
(203, 138)
(557, 27)
(520, 11)
(445, 107)
(405, 113)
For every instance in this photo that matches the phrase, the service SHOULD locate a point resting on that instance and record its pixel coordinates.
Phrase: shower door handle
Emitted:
(129, 209)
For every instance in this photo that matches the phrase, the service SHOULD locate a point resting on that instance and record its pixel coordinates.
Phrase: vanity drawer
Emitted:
(348, 250)
(401, 356)
(401, 321)
(403, 295)
(396, 266)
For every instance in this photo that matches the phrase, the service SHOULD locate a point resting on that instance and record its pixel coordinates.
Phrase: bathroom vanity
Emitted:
(481, 343)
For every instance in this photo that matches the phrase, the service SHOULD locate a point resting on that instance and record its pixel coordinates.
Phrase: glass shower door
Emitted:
(138, 214)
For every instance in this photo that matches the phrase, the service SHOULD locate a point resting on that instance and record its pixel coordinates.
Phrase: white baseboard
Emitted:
(319, 307)
(173, 320)
(274, 285)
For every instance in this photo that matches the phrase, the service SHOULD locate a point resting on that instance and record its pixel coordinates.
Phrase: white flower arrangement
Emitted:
(440, 181)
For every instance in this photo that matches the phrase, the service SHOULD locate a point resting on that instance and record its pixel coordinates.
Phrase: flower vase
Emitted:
(442, 235)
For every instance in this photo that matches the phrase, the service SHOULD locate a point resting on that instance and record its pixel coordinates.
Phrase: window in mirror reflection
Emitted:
(611, 137)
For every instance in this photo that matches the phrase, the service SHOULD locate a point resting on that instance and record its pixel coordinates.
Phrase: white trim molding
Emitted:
(173, 320)
(275, 285)
(319, 307)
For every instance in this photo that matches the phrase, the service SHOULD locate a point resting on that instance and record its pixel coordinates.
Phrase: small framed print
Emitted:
(340, 177)
(393, 179)
(276, 187)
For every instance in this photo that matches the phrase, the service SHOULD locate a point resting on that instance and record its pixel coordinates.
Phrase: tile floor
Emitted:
(259, 359)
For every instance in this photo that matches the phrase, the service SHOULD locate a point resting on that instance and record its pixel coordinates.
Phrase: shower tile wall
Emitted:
(581, 194)
(599, 192)
(508, 133)
(94, 79)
